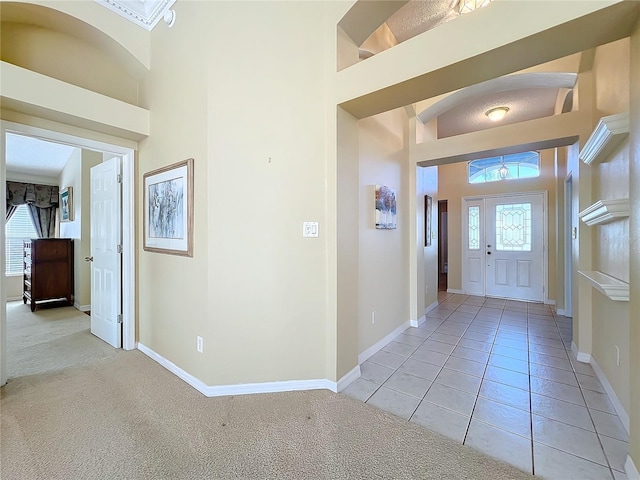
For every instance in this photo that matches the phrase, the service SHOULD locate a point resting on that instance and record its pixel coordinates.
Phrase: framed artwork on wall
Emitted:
(168, 209)
(386, 208)
(428, 201)
(66, 204)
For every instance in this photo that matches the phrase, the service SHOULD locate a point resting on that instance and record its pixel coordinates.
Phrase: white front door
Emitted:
(509, 261)
(106, 291)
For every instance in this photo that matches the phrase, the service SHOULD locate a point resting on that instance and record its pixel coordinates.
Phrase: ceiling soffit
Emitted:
(144, 13)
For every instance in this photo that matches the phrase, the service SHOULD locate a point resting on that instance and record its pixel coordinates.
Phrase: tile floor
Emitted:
(499, 376)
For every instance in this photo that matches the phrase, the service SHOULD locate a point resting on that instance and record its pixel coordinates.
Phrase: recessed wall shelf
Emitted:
(607, 135)
(612, 287)
(604, 211)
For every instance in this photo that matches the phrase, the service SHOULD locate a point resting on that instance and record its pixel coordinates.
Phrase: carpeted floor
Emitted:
(50, 339)
(124, 416)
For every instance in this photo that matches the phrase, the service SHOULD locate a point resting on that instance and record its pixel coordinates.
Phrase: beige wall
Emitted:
(71, 176)
(634, 247)
(254, 283)
(77, 174)
(65, 57)
(427, 293)
(611, 241)
(453, 185)
(383, 254)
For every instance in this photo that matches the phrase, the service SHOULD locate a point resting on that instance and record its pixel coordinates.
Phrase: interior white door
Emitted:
(515, 247)
(106, 225)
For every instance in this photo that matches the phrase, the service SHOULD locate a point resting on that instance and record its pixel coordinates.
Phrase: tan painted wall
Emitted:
(253, 190)
(634, 247)
(71, 176)
(453, 186)
(66, 58)
(611, 247)
(383, 254)
(428, 286)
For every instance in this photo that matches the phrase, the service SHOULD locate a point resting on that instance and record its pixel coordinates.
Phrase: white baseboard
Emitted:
(455, 290)
(345, 381)
(13, 299)
(431, 307)
(418, 322)
(368, 353)
(560, 311)
(423, 318)
(622, 413)
(631, 470)
(549, 302)
(239, 389)
(82, 308)
(580, 356)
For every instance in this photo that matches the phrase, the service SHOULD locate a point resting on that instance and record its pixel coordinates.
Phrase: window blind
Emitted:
(18, 228)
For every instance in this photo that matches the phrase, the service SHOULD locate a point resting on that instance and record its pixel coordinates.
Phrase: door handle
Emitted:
(88, 259)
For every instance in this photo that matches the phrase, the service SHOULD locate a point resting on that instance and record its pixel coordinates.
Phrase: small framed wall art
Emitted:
(386, 208)
(66, 204)
(428, 206)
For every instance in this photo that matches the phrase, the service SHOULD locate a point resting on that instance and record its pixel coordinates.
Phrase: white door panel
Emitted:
(106, 293)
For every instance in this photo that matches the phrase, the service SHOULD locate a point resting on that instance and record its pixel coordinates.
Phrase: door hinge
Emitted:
(119, 248)
(119, 178)
(119, 318)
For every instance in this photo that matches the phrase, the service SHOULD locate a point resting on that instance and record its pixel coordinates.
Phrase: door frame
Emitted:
(545, 236)
(568, 245)
(127, 218)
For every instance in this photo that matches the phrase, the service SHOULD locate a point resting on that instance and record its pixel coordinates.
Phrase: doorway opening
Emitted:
(443, 242)
(127, 283)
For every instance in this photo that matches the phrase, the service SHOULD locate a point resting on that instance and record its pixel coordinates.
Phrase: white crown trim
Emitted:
(147, 19)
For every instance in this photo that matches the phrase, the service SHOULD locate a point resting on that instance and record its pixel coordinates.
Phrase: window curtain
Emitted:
(42, 201)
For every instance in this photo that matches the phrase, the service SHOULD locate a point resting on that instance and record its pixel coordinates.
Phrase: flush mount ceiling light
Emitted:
(496, 114)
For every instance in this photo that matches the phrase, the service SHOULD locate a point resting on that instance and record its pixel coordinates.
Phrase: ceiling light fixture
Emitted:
(496, 114)
(503, 171)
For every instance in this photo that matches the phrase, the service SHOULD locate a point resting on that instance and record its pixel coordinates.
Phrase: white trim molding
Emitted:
(346, 380)
(13, 299)
(631, 470)
(455, 290)
(622, 413)
(369, 352)
(580, 356)
(418, 322)
(605, 211)
(239, 389)
(560, 311)
(607, 135)
(613, 288)
(82, 308)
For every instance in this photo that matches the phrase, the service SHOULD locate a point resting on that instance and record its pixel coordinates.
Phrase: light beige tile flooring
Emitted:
(499, 376)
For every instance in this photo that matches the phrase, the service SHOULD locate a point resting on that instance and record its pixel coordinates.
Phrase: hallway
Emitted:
(499, 376)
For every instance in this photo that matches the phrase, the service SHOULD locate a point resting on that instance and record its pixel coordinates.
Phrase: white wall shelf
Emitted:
(612, 287)
(607, 135)
(604, 211)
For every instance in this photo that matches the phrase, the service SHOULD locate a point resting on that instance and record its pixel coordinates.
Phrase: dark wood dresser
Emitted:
(48, 271)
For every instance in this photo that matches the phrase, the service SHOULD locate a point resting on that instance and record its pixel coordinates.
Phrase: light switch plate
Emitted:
(310, 229)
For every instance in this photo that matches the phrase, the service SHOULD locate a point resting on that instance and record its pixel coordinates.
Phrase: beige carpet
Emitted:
(124, 416)
(50, 339)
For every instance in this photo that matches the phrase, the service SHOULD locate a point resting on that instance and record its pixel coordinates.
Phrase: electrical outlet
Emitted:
(373, 318)
(199, 344)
